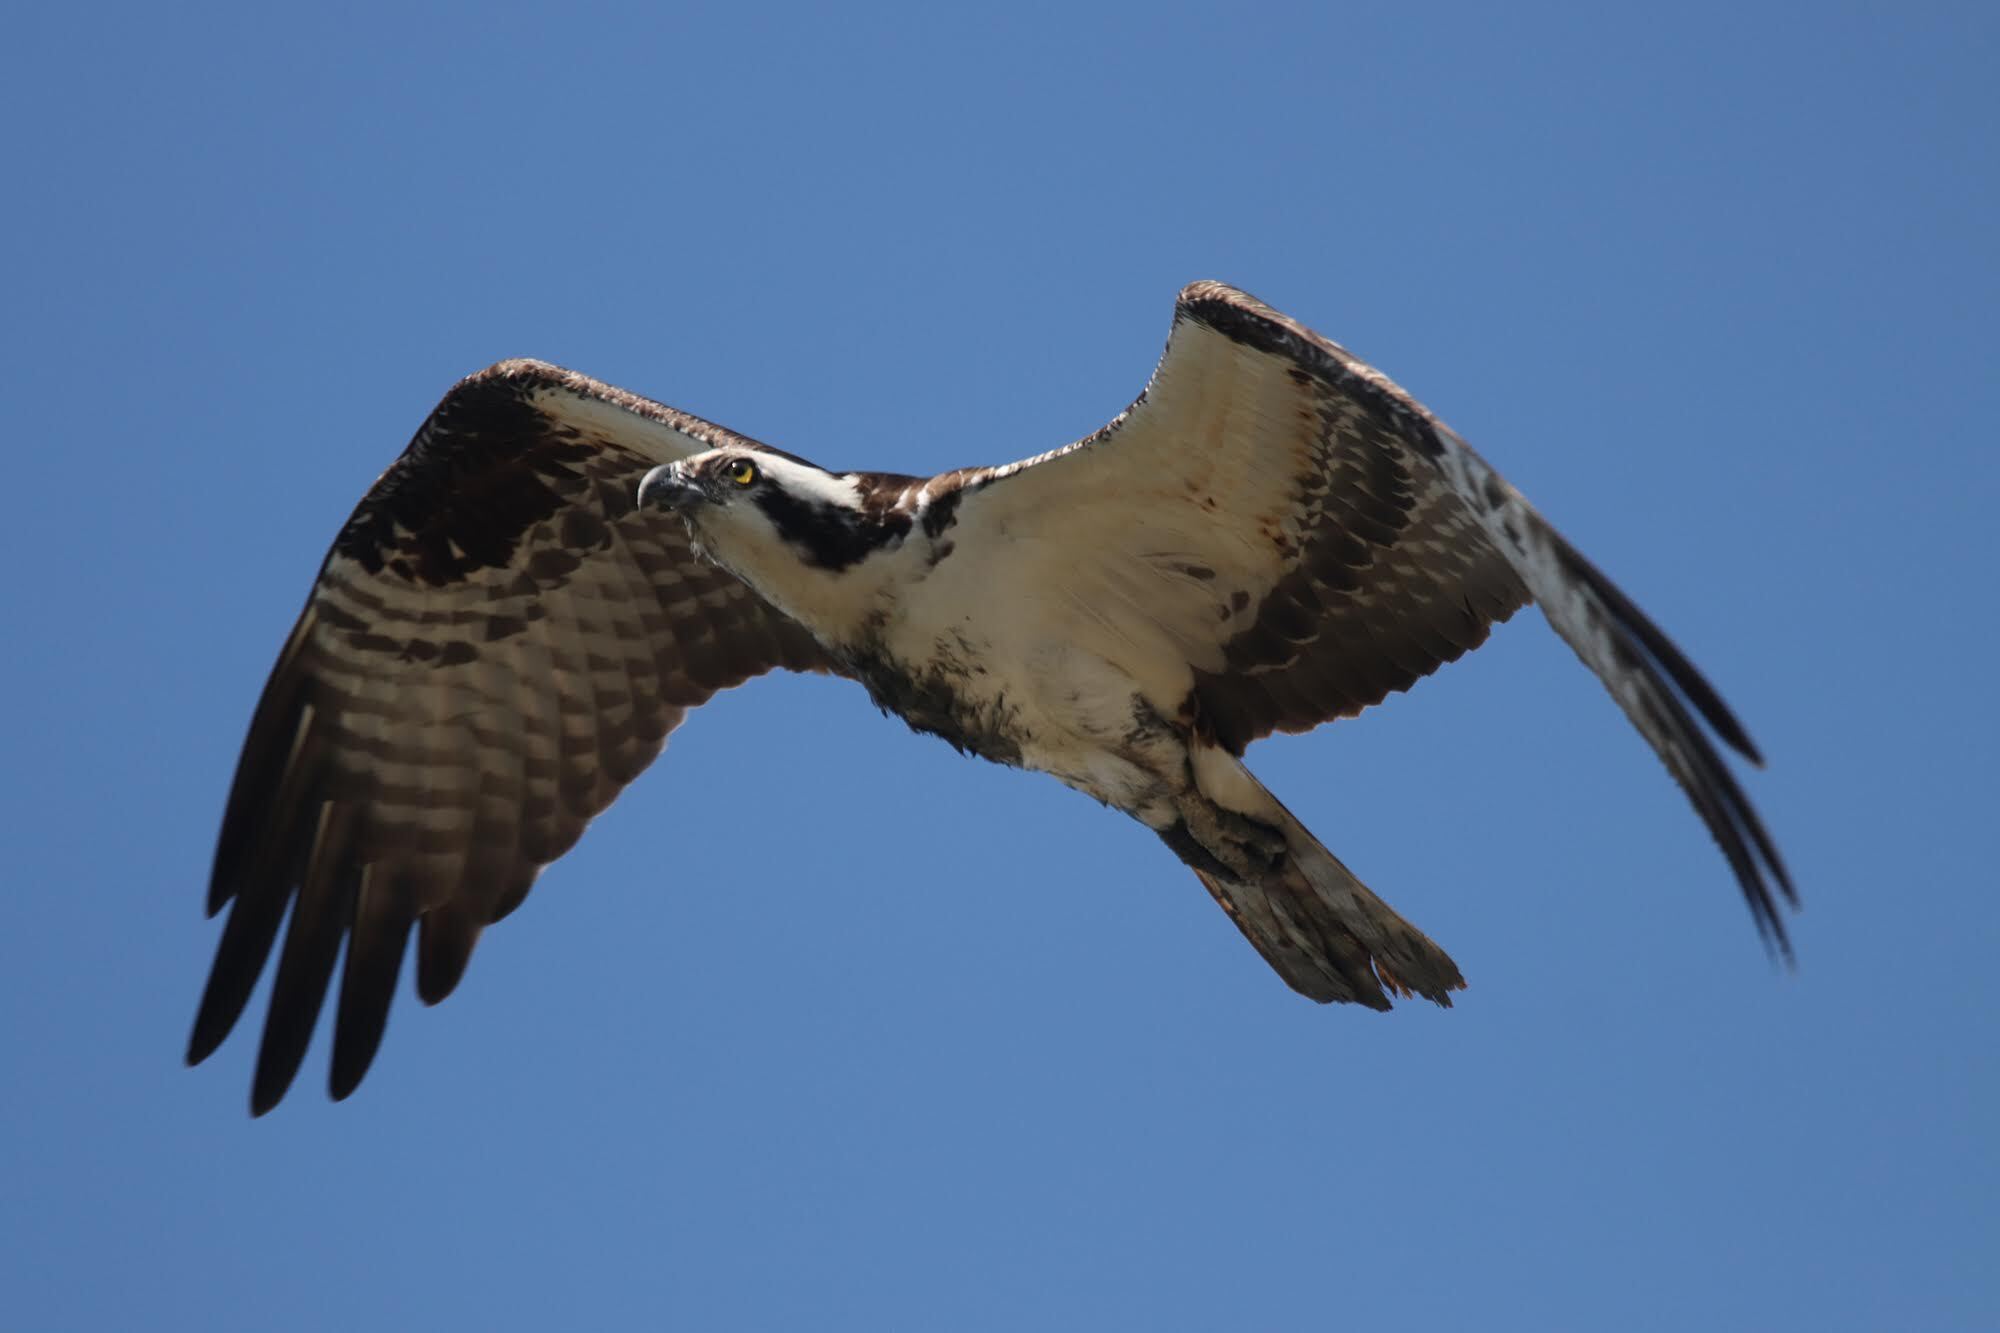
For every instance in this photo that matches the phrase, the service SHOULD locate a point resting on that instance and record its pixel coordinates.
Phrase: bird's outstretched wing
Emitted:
(497, 643)
(1309, 538)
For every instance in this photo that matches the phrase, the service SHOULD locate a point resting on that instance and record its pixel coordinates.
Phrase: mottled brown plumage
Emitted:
(497, 644)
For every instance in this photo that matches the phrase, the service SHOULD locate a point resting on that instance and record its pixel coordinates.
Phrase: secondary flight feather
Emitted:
(555, 571)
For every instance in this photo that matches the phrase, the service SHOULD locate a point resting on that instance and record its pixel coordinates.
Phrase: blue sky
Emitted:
(823, 1026)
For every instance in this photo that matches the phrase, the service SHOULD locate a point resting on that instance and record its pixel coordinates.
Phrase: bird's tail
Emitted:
(1326, 934)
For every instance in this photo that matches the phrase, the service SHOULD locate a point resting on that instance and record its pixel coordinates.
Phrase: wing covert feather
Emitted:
(497, 643)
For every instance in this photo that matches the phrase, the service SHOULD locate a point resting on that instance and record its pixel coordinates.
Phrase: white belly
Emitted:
(1041, 685)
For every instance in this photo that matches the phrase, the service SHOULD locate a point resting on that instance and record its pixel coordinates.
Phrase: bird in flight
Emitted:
(555, 571)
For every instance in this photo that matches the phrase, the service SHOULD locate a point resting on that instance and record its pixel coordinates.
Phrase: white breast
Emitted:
(1072, 679)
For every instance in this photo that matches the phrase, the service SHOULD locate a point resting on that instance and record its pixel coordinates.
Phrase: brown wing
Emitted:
(1390, 578)
(497, 643)
(1389, 575)
(1309, 538)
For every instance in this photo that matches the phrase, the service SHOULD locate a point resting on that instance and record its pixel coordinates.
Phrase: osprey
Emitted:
(555, 571)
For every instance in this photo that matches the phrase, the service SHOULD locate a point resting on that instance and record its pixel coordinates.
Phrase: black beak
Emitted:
(665, 487)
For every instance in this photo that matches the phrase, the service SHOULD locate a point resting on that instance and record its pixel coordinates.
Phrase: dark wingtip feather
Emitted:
(270, 782)
(239, 961)
(445, 939)
(208, 1035)
(269, 1086)
(305, 968)
(375, 946)
(1716, 795)
(1707, 701)
(1738, 830)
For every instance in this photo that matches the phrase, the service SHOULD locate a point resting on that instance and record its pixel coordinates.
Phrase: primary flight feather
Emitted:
(555, 571)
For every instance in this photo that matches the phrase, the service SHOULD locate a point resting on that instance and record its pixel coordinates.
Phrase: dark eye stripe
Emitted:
(829, 536)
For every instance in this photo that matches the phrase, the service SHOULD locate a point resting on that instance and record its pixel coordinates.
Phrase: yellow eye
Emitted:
(743, 472)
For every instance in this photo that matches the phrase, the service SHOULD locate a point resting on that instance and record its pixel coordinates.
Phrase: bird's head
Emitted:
(803, 537)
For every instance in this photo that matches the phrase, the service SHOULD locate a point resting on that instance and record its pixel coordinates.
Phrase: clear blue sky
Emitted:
(826, 1027)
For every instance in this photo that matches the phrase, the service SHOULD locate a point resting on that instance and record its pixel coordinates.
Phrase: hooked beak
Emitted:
(666, 487)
